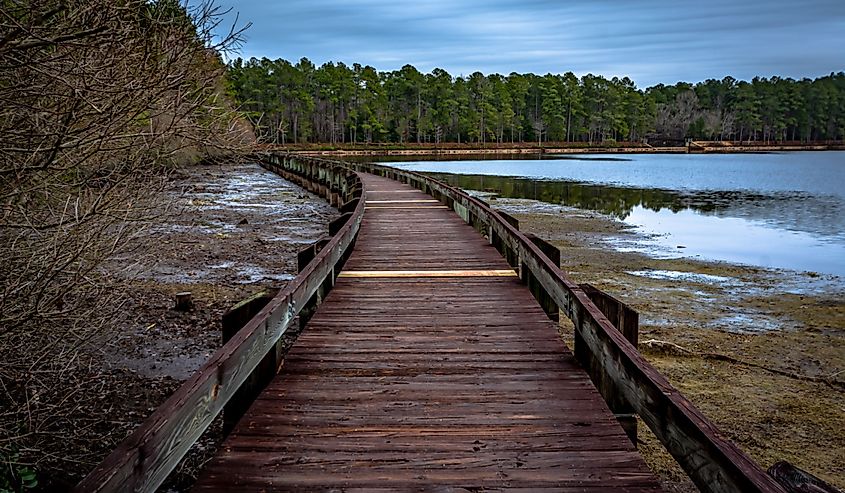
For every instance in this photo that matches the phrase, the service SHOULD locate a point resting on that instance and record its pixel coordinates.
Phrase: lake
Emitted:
(774, 210)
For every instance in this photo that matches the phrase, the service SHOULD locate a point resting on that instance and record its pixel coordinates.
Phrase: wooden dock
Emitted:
(429, 361)
(429, 364)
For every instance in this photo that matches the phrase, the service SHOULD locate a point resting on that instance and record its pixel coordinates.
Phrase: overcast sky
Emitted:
(650, 41)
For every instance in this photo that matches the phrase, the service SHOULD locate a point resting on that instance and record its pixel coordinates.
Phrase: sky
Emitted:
(650, 41)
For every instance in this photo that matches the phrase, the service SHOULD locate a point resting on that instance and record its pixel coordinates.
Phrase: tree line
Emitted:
(338, 103)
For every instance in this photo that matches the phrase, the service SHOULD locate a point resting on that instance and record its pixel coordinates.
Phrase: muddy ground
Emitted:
(232, 231)
(783, 321)
(238, 232)
(240, 228)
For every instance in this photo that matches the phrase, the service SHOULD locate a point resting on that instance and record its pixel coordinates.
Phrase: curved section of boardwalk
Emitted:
(443, 374)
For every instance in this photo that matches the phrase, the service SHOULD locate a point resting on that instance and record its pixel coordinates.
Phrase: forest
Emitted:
(336, 103)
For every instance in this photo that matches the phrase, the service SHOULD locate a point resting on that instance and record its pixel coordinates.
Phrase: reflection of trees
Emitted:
(612, 200)
(615, 201)
(794, 211)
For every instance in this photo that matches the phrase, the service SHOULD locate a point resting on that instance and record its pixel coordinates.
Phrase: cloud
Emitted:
(650, 41)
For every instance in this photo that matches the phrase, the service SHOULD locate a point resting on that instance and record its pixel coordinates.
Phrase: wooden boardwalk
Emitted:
(421, 379)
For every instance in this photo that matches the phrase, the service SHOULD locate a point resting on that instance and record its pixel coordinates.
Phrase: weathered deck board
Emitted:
(412, 383)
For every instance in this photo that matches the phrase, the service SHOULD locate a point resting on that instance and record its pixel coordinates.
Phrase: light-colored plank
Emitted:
(407, 207)
(429, 273)
(409, 201)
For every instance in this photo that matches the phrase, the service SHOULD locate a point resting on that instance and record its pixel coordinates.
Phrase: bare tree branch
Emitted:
(99, 101)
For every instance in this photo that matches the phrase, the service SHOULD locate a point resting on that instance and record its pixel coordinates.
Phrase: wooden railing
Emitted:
(145, 459)
(623, 377)
(621, 374)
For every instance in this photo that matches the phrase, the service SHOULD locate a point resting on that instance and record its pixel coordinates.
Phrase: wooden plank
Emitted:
(428, 364)
(409, 207)
(429, 273)
(409, 201)
(713, 463)
(371, 191)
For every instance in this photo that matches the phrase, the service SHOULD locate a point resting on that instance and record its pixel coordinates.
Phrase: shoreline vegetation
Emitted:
(692, 147)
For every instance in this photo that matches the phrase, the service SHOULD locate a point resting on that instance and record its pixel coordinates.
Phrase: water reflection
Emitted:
(615, 201)
(772, 210)
(794, 211)
(736, 240)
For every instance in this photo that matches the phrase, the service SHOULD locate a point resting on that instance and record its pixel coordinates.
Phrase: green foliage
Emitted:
(336, 104)
(16, 477)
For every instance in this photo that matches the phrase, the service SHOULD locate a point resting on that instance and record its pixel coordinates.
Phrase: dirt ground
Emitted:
(777, 323)
(236, 231)
(240, 228)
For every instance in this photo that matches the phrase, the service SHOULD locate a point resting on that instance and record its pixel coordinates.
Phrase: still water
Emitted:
(778, 210)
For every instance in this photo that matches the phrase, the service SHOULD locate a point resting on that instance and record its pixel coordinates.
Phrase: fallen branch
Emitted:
(671, 347)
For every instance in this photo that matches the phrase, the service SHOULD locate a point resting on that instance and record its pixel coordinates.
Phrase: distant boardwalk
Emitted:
(428, 364)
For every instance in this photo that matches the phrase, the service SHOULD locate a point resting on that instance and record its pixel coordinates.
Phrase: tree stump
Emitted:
(184, 302)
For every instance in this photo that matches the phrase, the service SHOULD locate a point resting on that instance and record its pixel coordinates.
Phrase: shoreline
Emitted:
(363, 150)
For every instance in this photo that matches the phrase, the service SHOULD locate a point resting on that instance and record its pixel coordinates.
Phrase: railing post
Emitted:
(501, 245)
(509, 219)
(540, 293)
(303, 258)
(626, 321)
(355, 192)
(623, 317)
(233, 320)
(349, 206)
(338, 223)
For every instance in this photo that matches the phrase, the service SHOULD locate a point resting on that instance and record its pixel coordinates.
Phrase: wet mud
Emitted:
(237, 232)
(225, 232)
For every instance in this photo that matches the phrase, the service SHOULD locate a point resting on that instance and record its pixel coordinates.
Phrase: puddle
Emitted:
(812, 284)
(252, 274)
(747, 323)
(674, 275)
(239, 224)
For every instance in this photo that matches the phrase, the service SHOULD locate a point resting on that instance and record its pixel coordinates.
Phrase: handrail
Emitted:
(147, 456)
(144, 459)
(616, 367)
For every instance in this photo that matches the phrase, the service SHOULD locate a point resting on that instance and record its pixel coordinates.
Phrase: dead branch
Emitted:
(99, 101)
(678, 350)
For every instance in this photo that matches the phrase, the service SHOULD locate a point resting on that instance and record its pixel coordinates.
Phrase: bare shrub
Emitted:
(99, 101)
